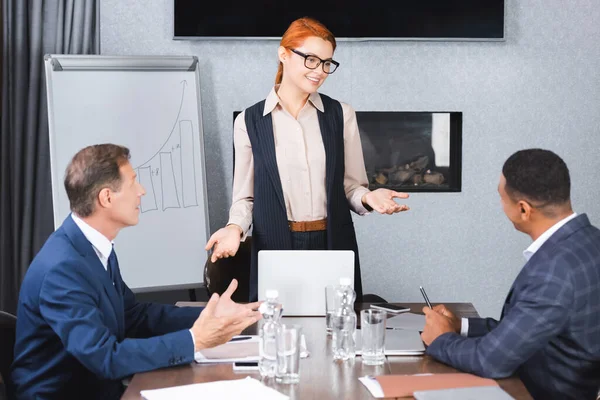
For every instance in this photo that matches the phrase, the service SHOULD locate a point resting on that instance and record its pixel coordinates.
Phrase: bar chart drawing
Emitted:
(170, 198)
(148, 202)
(169, 176)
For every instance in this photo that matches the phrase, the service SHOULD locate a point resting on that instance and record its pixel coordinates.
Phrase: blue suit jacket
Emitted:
(77, 336)
(549, 333)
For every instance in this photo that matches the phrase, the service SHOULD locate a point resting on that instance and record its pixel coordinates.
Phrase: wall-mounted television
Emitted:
(347, 19)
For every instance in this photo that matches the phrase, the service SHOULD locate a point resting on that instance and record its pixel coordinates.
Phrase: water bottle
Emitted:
(271, 313)
(344, 324)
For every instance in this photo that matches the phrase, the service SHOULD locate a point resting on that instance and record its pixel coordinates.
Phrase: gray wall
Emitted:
(539, 88)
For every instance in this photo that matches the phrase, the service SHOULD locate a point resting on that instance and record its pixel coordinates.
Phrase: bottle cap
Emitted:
(345, 281)
(271, 294)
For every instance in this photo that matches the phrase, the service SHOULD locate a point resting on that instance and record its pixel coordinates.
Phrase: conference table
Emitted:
(320, 376)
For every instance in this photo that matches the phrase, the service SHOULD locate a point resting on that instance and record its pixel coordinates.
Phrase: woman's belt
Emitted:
(308, 226)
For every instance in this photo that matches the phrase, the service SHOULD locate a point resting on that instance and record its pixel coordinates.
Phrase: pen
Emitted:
(425, 297)
(238, 338)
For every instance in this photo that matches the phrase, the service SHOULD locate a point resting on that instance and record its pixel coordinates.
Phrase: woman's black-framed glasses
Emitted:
(313, 62)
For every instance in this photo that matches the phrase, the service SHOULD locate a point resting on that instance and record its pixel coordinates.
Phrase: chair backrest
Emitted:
(8, 326)
(218, 275)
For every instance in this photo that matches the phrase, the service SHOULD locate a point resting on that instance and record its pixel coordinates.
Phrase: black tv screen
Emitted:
(347, 19)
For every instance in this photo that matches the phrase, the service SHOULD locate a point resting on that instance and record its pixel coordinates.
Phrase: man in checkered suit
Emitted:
(549, 329)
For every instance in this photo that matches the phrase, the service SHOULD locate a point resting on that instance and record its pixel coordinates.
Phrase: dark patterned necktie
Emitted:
(113, 269)
(113, 273)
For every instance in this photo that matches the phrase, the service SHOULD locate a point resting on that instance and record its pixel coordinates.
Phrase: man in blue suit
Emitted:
(80, 330)
(549, 330)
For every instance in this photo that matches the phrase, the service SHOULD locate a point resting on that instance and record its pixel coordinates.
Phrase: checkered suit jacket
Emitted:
(549, 332)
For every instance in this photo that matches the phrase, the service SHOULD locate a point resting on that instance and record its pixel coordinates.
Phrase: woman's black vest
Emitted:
(270, 224)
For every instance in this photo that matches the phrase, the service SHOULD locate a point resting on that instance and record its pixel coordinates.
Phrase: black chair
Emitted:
(218, 275)
(8, 325)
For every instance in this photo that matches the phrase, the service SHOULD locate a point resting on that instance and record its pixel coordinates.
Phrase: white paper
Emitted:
(248, 388)
(372, 386)
(242, 351)
(409, 321)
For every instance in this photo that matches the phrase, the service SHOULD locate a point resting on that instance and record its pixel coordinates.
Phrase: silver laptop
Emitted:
(300, 276)
(398, 342)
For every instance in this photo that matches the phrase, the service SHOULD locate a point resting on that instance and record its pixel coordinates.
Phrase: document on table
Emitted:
(248, 388)
(238, 350)
(408, 321)
(241, 350)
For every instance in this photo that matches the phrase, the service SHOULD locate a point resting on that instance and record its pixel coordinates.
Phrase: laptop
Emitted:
(398, 342)
(300, 277)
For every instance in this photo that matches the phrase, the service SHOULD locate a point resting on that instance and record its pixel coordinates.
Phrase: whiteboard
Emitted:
(152, 106)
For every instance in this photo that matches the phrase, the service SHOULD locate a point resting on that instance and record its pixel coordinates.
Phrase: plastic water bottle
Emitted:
(271, 313)
(344, 322)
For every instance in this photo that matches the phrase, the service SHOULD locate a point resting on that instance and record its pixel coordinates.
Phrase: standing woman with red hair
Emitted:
(299, 166)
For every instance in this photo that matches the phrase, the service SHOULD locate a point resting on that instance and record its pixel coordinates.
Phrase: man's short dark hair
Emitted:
(91, 170)
(538, 176)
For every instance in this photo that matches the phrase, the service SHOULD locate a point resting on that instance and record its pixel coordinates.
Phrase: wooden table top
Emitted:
(320, 376)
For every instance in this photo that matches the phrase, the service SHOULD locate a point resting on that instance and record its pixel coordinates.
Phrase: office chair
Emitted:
(8, 326)
(218, 275)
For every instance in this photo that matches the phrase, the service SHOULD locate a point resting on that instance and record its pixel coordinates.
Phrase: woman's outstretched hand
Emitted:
(382, 201)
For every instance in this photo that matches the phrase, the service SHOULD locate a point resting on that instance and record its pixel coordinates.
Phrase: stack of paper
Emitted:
(239, 350)
(248, 388)
(242, 350)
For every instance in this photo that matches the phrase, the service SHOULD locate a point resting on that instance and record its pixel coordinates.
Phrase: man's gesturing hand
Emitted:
(210, 330)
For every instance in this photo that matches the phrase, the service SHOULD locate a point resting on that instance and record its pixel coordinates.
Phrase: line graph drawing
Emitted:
(169, 175)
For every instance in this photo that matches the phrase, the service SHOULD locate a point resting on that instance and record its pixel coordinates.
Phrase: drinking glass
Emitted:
(288, 353)
(329, 307)
(372, 329)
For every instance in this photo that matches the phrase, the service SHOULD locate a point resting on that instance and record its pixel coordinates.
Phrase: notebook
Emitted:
(398, 343)
(410, 321)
